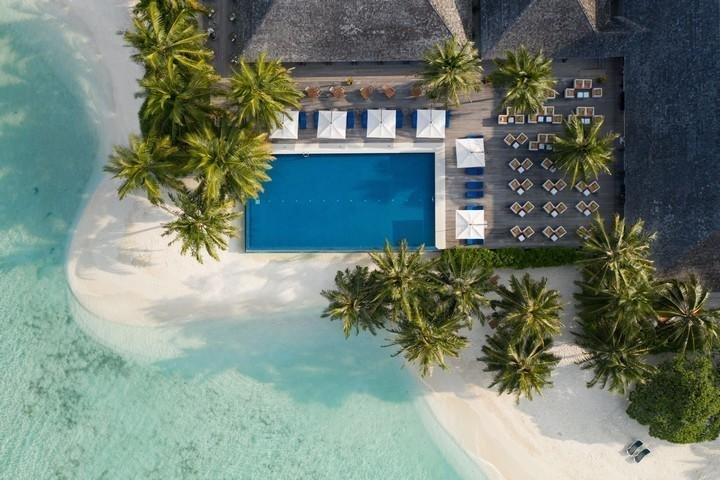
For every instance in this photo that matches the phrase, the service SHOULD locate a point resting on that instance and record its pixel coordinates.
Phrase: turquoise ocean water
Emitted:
(270, 398)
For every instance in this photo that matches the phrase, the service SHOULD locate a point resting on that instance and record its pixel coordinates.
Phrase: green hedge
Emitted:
(526, 257)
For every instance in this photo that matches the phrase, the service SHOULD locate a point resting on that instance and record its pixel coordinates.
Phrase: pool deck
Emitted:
(478, 116)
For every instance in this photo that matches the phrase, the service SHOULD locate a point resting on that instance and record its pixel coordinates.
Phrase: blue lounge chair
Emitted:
(399, 118)
(474, 241)
(413, 119)
(448, 117)
(474, 207)
(632, 448)
(474, 194)
(474, 171)
(363, 119)
(350, 119)
(474, 185)
(302, 120)
(316, 116)
(638, 458)
(474, 136)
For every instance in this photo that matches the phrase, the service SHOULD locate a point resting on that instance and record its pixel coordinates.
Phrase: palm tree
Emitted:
(528, 308)
(426, 335)
(176, 105)
(522, 365)
(462, 280)
(352, 301)
(684, 318)
(402, 275)
(162, 38)
(616, 355)
(200, 226)
(229, 161)
(528, 80)
(628, 307)
(147, 165)
(172, 7)
(619, 257)
(262, 92)
(581, 153)
(452, 69)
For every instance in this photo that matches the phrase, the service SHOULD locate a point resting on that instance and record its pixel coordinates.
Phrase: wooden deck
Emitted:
(478, 116)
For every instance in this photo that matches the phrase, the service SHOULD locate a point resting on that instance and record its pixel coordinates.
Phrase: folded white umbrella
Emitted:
(469, 224)
(430, 124)
(331, 124)
(381, 123)
(289, 127)
(470, 152)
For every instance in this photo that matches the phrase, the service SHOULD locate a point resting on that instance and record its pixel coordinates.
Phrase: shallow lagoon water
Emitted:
(261, 398)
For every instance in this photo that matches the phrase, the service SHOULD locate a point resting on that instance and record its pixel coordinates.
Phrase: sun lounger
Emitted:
(448, 118)
(363, 119)
(350, 119)
(641, 455)
(474, 171)
(569, 93)
(474, 194)
(302, 120)
(413, 119)
(474, 185)
(632, 448)
(316, 116)
(399, 118)
(474, 207)
(474, 241)
(474, 136)
(597, 92)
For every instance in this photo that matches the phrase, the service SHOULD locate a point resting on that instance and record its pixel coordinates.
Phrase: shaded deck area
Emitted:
(478, 116)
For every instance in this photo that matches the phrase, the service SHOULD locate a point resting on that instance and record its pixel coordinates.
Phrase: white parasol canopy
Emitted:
(331, 124)
(381, 123)
(430, 124)
(470, 152)
(289, 127)
(470, 224)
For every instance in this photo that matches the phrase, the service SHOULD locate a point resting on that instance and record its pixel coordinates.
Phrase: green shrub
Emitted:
(519, 258)
(681, 403)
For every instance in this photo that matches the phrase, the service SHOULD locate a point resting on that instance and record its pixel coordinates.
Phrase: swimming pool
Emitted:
(344, 201)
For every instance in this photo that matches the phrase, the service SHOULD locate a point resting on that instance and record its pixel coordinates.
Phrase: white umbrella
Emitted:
(289, 127)
(470, 224)
(381, 123)
(430, 124)
(331, 124)
(470, 152)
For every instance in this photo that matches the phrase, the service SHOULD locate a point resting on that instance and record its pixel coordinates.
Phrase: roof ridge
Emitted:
(592, 21)
(449, 23)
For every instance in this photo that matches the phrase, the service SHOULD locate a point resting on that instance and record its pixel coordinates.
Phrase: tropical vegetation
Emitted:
(616, 300)
(581, 152)
(522, 365)
(201, 153)
(685, 321)
(261, 92)
(422, 303)
(527, 79)
(452, 70)
(527, 315)
(681, 403)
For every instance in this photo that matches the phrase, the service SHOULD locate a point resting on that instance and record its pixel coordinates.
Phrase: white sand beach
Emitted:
(122, 270)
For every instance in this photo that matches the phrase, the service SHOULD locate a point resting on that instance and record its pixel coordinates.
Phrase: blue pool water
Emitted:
(284, 397)
(344, 202)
